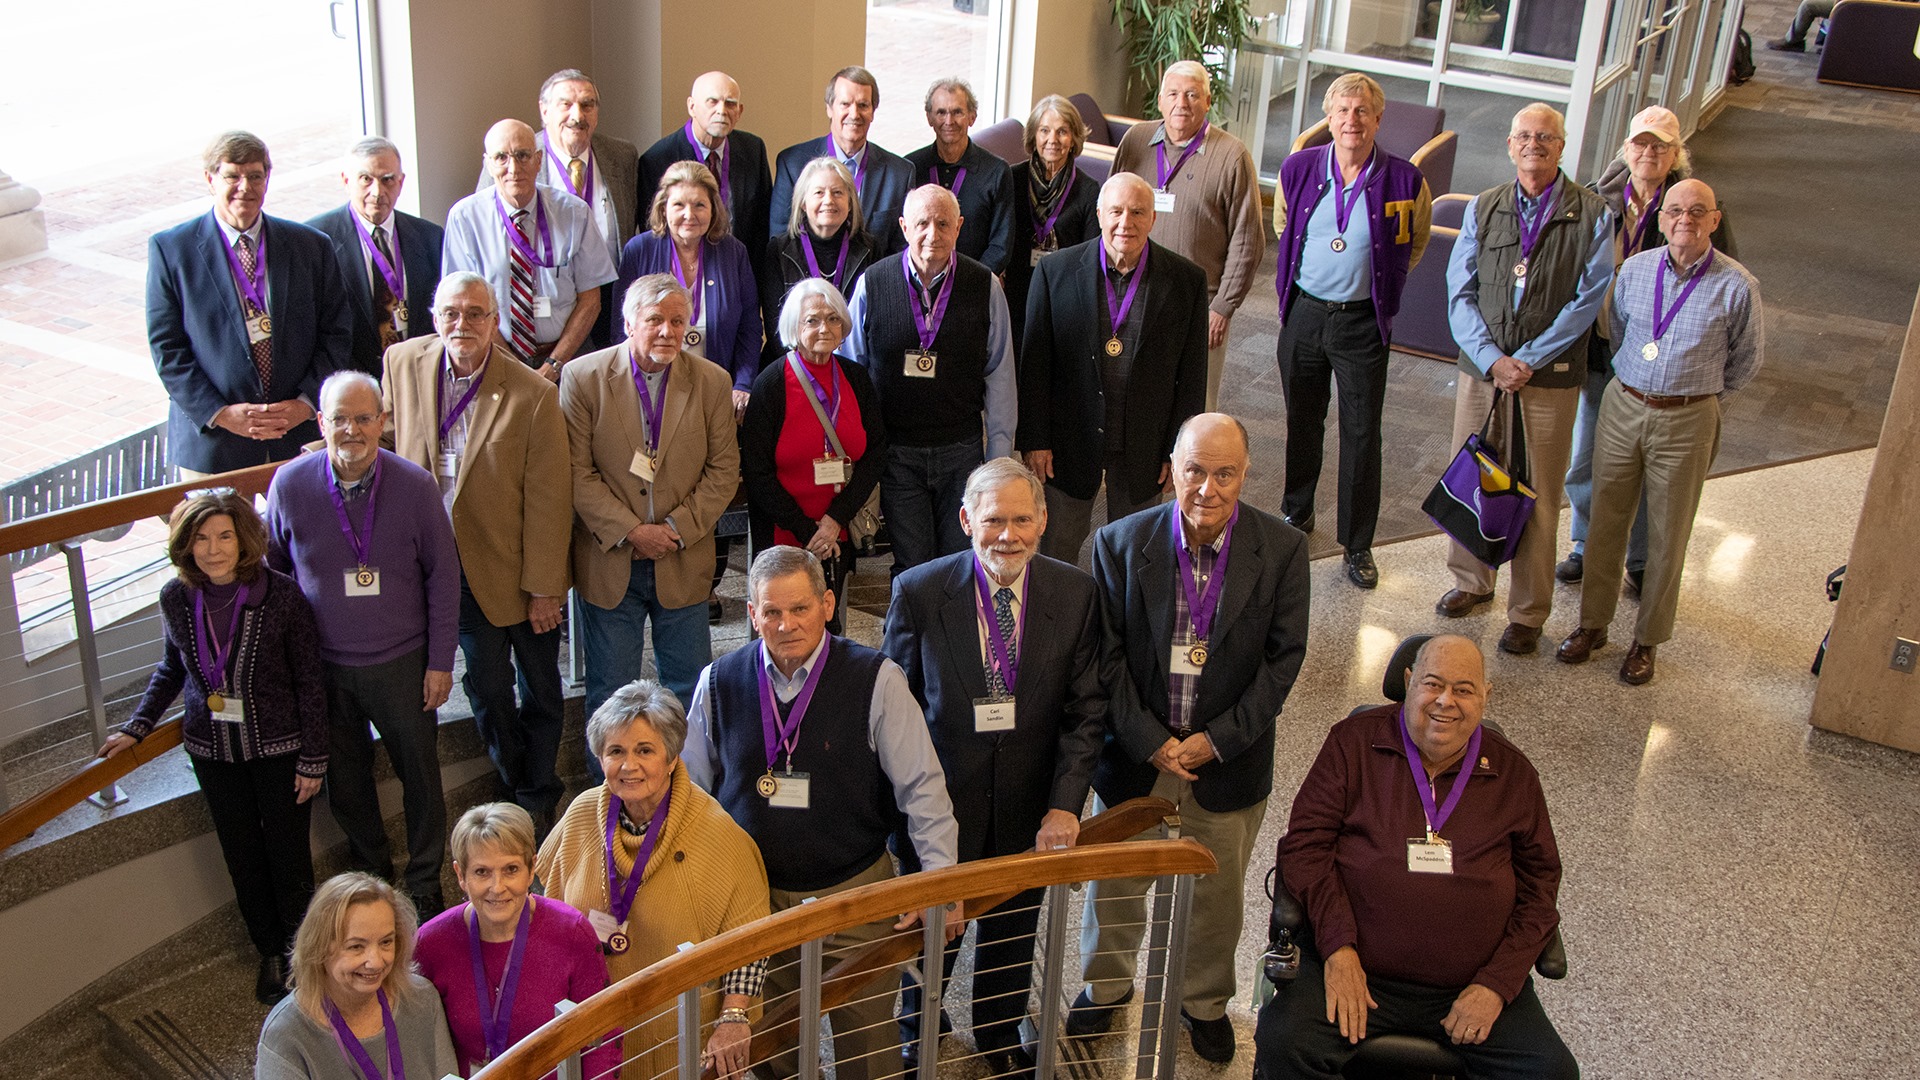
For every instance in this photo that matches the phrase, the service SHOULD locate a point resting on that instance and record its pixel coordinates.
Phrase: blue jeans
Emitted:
(615, 642)
(1580, 474)
(523, 739)
(920, 496)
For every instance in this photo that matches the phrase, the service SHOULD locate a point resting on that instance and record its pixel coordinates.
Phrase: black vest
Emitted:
(851, 807)
(945, 409)
(1553, 275)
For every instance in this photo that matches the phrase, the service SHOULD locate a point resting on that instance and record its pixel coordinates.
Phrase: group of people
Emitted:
(566, 388)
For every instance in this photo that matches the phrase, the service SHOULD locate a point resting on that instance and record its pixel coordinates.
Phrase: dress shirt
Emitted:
(253, 234)
(1183, 689)
(477, 241)
(1714, 344)
(554, 175)
(1019, 587)
(453, 387)
(1339, 277)
(893, 719)
(1463, 303)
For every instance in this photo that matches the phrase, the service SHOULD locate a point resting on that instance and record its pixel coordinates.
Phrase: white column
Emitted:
(23, 228)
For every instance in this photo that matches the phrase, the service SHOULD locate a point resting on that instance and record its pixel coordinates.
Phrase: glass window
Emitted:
(912, 42)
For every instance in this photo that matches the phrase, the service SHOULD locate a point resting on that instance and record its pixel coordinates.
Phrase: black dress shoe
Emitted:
(1086, 1018)
(1571, 569)
(1781, 44)
(270, 985)
(1010, 1064)
(1303, 522)
(1361, 569)
(1212, 1039)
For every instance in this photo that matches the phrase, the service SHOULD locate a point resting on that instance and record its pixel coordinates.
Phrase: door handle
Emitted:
(333, 18)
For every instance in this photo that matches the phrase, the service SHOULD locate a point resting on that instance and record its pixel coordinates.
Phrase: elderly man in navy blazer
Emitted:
(389, 260)
(1001, 646)
(1204, 617)
(712, 137)
(245, 316)
(881, 178)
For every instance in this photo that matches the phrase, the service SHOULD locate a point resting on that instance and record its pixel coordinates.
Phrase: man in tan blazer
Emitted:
(489, 429)
(655, 462)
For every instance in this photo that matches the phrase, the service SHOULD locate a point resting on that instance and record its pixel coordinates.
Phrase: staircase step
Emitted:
(200, 1024)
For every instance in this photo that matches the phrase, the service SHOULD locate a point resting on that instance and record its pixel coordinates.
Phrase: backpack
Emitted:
(1740, 69)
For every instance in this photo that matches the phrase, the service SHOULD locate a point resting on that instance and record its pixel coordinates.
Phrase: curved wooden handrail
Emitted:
(20, 822)
(645, 991)
(124, 509)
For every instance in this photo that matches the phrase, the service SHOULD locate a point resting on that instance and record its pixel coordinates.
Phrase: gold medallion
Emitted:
(217, 702)
(768, 786)
(618, 943)
(1520, 269)
(266, 325)
(363, 577)
(400, 313)
(1197, 654)
(924, 361)
(1114, 347)
(693, 339)
(1339, 244)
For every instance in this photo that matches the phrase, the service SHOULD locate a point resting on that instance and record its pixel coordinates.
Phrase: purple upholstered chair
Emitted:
(1873, 43)
(1412, 131)
(1421, 327)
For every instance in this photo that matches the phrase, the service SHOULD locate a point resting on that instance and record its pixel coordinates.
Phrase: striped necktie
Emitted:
(520, 310)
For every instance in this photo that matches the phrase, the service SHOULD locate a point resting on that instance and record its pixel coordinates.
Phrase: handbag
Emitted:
(865, 524)
(1484, 500)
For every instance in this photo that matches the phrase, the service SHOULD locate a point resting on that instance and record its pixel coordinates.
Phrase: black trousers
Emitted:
(388, 696)
(1002, 974)
(1294, 1041)
(522, 739)
(1319, 348)
(264, 838)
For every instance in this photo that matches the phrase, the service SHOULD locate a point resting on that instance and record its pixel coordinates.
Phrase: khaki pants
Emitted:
(866, 1041)
(1115, 919)
(1216, 363)
(1668, 452)
(1549, 417)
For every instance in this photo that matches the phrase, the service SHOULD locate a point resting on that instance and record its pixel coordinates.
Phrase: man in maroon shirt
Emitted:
(1430, 890)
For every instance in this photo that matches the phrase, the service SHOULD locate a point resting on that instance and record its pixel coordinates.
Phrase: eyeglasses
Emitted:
(470, 314)
(519, 157)
(1692, 213)
(815, 322)
(1544, 138)
(340, 421)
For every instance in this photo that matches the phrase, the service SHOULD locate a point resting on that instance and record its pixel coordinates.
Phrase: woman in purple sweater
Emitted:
(241, 642)
(503, 959)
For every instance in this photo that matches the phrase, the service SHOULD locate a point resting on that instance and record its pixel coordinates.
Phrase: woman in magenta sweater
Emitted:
(503, 959)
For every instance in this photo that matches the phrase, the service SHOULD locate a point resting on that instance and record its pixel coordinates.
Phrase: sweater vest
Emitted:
(945, 409)
(850, 807)
(1553, 276)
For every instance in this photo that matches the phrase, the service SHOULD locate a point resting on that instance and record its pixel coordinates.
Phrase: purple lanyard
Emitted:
(213, 658)
(860, 168)
(649, 408)
(1160, 153)
(929, 325)
(1530, 230)
(585, 191)
(448, 419)
(1343, 203)
(1662, 322)
(350, 1043)
(1652, 211)
(360, 547)
(959, 178)
(997, 651)
(1201, 606)
(830, 401)
(619, 896)
(813, 265)
(697, 291)
(519, 241)
(495, 1015)
(1116, 307)
(1438, 818)
(254, 288)
(726, 164)
(394, 272)
(1044, 229)
(780, 734)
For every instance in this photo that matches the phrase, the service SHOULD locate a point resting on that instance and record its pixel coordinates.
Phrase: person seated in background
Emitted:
(1438, 946)
(357, 1010)
(1803, 20)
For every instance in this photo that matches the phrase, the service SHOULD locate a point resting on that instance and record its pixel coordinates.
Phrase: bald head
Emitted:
(714, 106)
(1445, 651)
(1446, 699)
(1688, 216)
(513, 160)
(1208, 469)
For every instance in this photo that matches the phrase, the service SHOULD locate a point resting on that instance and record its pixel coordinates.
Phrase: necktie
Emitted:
(577, 172)
(1003, 614)
(520, 313)
(262, 349)
(384, 302)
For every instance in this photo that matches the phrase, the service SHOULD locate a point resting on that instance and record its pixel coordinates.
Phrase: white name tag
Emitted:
(604, 925)
(1163, 202)
(362, 582)
(1429, 856)
(542, 307)
(992, 714)
(231, 711)
(449, 464)
(1180, 662)
(259, 329)
(920, 364)
(642, 466)
(1037, 256)
(794, 793)
(832, 471)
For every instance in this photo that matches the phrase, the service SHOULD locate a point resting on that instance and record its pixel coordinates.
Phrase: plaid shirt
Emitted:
(1714, 344)
(1182, 689)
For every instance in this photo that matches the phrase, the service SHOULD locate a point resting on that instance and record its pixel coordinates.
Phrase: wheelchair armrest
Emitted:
(1553, 959)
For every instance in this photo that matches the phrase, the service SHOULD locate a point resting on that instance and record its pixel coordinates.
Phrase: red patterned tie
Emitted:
(520, 313)
(262, 349)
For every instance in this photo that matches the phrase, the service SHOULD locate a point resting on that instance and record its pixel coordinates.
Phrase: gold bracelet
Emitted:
(733, 1016)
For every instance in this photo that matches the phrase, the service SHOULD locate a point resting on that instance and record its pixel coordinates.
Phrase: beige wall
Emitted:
(1066, 47)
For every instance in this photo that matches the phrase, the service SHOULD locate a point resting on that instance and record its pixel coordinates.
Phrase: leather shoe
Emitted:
(1457, 603)
(1361, 569)
(1630, 587)
(1637, 668)
(1212, 1039)
(1520, 640)
(270, 985)
(1087, 1018)
(1013, 1063)
(1580, 645)
(1303, 522)
(1781, 44)
(1571, 569)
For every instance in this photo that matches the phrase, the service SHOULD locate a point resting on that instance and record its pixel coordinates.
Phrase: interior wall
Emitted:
(1066, 47)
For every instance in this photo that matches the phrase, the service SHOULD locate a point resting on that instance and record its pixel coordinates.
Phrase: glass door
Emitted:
(910, 43)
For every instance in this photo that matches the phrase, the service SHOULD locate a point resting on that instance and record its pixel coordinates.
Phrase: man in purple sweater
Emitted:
(366, 535)
(1420, 848)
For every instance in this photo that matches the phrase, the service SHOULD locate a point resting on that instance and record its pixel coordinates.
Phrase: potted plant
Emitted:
(1159, 32)
(1474, 21)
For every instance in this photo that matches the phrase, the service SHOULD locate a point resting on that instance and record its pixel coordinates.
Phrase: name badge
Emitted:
(1188, 658)
(1426, 856)
(792, 791)
(364, 581)
(1163, 202)
(642, 466)
(604, 925)
(1037, 256)
(920, 363)
(992, 714)
(231, 711)
(259, 329)
(449, 464)
(832, 471)
(542, 307)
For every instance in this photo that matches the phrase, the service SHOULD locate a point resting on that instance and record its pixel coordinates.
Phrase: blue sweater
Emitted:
(411, 547)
